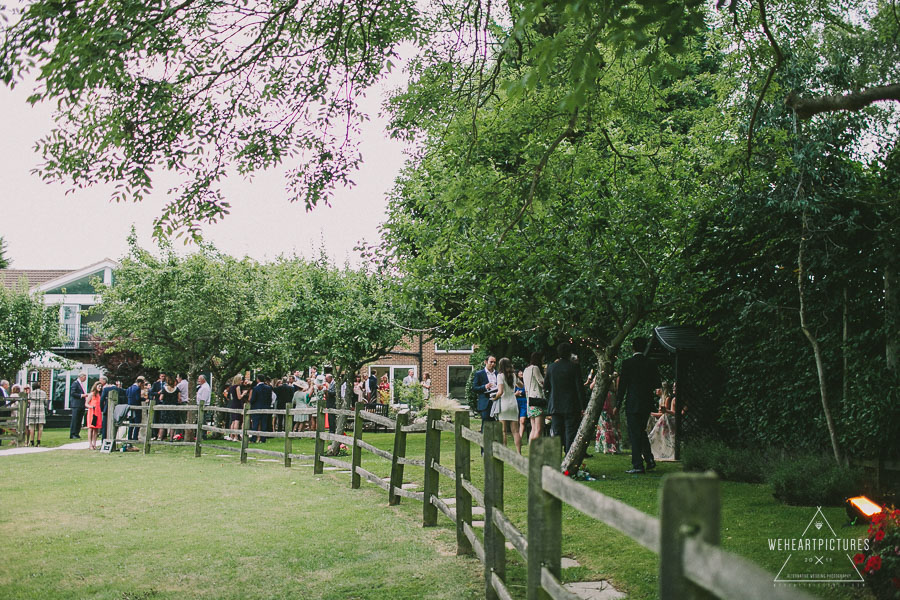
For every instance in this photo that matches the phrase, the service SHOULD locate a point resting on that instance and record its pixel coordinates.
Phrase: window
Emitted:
(453, 348)
(79, 286)
(457, 378)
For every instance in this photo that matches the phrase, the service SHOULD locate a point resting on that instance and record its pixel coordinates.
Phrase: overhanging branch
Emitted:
(806, 108)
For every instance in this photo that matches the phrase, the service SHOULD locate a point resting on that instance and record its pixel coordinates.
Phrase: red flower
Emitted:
(880, 535)
(874, 563)
(566, 473)
(859, 557)
(878, 518)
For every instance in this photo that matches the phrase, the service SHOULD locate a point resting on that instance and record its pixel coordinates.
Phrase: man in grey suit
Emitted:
(637, 381)
(78, 393)
(563, 387)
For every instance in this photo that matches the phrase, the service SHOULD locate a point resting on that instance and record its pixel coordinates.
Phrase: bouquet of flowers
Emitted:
(880, 563)
(342, 450)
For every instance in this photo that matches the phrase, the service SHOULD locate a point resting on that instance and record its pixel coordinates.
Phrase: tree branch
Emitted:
(806, 108)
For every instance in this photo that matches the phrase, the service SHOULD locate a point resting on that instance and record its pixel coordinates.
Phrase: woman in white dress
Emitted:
(662, 433)
(509, 407)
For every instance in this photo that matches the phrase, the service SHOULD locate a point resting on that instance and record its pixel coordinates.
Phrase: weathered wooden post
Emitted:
(494, 540)
(689, 506)
(399, 453)
(544, 517)
(111, 400)
(245, 427)
(198, 438)
(21, 422)
(318, 465)
(463, 472)
(432, 477)
(357, 451)
(149, 420)
(288, 442)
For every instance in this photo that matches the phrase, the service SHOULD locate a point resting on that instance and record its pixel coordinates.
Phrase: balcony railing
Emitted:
(78, 337)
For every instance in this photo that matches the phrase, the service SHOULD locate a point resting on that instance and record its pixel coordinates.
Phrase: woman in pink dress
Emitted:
(94, 415)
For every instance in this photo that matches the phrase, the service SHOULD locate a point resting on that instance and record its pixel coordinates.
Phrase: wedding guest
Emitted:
(78, 393)
(237, 394)
(358, 388)
(37, 414)
(506, 396)
(169, 396)
(534, 391)
(384, 390)
(301, 400)
(638, 380)
(522, 401)
(565, 392)
(94, 415)
(426, 387)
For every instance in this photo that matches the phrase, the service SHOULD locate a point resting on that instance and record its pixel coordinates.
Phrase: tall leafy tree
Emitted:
(189, 313)
(27, 326)
(343, 316)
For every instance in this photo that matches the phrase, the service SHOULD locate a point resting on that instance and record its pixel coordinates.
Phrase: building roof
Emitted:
(10, 278)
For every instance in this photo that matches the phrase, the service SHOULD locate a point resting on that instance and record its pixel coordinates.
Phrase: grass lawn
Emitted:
(78, 524)
(384, 544)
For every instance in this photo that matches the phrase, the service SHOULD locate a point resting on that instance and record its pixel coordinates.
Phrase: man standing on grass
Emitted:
(565, 395)
(284, 393)
(638, 380)
(133, 394)
(484, 383)
(260, 399)
(77, 395)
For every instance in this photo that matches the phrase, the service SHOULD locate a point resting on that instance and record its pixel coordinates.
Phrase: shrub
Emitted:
(880, 564)
(731, 464)
(813, 481)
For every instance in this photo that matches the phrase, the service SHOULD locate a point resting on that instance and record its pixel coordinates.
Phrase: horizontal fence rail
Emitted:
(686, 535)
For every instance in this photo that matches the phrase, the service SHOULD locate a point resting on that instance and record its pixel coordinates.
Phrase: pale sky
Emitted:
(45, 228)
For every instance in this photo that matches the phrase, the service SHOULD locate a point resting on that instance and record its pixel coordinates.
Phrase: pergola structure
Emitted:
(698, 380)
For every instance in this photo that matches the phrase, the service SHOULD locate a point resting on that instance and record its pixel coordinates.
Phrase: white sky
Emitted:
(47, 229)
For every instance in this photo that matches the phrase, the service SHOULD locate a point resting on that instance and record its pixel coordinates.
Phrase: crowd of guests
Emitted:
(521, 398)
(36, 415)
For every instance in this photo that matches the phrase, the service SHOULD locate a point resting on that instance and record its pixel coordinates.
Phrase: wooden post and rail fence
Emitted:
(685, 535)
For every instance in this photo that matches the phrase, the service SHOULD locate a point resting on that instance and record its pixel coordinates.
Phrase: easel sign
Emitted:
(107, 446)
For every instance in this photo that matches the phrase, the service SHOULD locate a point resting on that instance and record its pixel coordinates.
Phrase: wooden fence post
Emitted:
(544, 517)
(21, 422)
(198, 438)
(357, 451)
(111, 401)
(463, 471)
(689, 506)
(494, 540)
(399, 452)
(432, 477)
(318, 465)
(149, 420)
(245, 427)
(288, 442)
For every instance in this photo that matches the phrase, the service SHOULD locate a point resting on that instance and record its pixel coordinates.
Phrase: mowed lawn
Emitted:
(78, 524)
(211, 527)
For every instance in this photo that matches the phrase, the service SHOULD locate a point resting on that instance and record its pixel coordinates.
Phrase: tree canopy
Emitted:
(27, 326)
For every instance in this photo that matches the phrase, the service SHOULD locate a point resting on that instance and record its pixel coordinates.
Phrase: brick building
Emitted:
(448, 365)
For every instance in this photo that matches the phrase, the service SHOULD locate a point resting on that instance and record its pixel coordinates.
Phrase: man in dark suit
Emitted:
(565, 393)
(484, 384)
(260, 399)
(78, 393)
(637, 381)
(133, 396)
(284, 392)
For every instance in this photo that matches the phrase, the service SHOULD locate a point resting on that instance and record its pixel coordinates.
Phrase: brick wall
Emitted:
(434, 363)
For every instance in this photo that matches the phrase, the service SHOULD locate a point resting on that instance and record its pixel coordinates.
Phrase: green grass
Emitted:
(750, 515)
(126, 526)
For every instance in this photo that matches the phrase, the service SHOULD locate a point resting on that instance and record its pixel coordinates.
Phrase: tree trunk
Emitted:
(587, 428)
(814, 341)
(845, 339)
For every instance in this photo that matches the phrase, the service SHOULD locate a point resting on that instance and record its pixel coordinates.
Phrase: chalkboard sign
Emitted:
(107, 446)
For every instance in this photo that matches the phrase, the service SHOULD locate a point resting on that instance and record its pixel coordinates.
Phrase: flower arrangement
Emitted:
(880, 563)
(342, 450)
